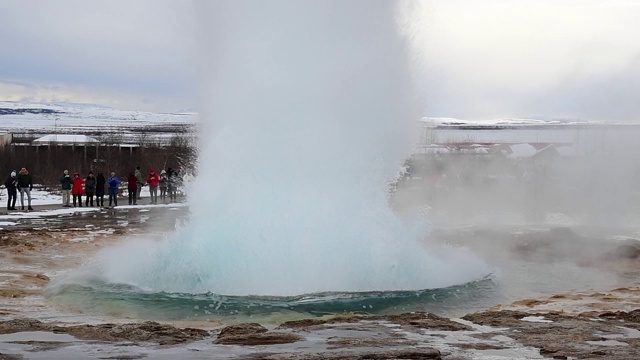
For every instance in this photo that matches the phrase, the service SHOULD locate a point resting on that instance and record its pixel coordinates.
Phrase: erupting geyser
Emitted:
(307, 113)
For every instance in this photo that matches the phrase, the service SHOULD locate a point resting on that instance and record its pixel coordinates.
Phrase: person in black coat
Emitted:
(89, 188)
(132, 186)
(100, 183)
(25, 185)
(12, 190)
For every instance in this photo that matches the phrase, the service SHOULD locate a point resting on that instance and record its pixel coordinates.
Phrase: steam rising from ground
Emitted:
(581, 175)
(308, 113)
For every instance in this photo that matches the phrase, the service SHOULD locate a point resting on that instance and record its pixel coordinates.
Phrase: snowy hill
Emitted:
(26, 117)
(502, 123)
(88, 118)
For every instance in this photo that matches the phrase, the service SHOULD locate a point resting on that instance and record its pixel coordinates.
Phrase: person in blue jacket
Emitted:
(114, 183)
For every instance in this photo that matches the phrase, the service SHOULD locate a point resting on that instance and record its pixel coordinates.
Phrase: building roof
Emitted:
(522, 150)
(62, 139)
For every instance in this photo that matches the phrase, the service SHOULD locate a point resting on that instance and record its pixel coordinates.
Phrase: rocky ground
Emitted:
(565, 325)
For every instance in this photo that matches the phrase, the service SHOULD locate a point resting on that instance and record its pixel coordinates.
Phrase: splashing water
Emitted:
(307, 113)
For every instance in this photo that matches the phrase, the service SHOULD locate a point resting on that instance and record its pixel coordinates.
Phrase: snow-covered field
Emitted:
(38, 197)
(73, 117)
(41, 197)
(21, 117)
(445, 121)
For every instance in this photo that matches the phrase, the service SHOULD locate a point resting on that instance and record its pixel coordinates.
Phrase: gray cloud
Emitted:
(139, 49)
(480, 59)
(612, 96)
(517, 58)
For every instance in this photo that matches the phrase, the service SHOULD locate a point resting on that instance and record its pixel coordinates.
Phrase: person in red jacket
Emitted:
(132, 186)
(153, 180)
(76, 188)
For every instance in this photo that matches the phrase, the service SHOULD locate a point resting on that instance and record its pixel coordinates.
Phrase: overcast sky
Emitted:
(481, 59)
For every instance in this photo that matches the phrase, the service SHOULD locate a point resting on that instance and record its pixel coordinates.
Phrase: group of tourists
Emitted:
(19, 182)
(74, 187)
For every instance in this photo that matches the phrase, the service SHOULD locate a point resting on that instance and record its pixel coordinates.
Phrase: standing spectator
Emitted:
(114, 184)
(76, 188)
(139, 182)
(132, 186)
(153, 180)
(12, 191)
(163, 183)
(25, 185)
(172, 184)
(100, 182)
(89, 188)
(65, 182)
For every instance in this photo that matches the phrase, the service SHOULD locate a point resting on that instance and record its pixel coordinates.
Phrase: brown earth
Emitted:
(593, 325)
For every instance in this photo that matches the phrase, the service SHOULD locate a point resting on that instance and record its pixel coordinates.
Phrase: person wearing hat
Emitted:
(153, 180)
(163, 183)
(25, 185)
(12, 190)
(76, 188)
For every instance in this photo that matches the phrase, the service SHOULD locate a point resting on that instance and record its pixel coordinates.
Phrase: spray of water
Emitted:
(307, 114)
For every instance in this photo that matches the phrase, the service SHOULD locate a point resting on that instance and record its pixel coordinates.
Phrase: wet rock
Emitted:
(304, 323)
(631, 316)
(371, 342)
(418, 319)
(148, 331)
(423, 354)
(566, 336)
(242, 329)
(16, 292)
(253, 334)
(4, 356)
(19, 325)
(480, 346)
(42, 345)
(315, 323)
(530, 302)
(6, 241)
(424, 320)
(268, 338)
(497, 318)
(42, 277)
(550, 350)
(416, 354)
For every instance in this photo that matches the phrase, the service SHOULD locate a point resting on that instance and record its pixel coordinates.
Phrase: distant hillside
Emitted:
(86, 118)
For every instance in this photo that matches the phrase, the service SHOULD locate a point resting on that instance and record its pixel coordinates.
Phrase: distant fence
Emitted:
(46, 162)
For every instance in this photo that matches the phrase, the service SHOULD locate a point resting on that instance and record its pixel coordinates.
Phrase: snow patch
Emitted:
(538, 319)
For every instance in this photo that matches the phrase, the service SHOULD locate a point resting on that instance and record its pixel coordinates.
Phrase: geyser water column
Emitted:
(307, 114)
